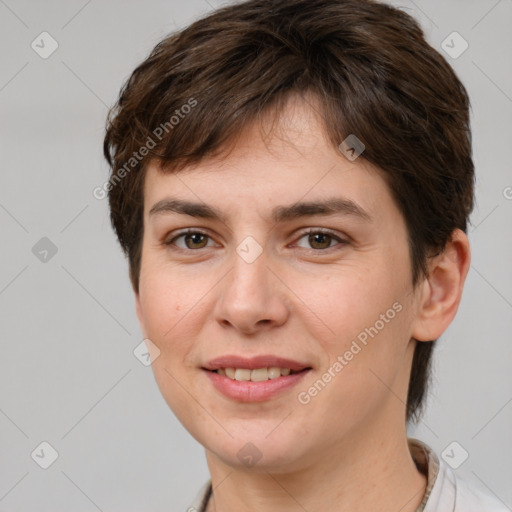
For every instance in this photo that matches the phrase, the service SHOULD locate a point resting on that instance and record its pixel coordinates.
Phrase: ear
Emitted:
(441, 291)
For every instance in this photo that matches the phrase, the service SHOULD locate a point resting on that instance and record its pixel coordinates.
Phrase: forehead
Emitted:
(275, 160)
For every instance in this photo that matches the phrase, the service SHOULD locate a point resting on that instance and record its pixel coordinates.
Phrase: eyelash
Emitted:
(303, 234)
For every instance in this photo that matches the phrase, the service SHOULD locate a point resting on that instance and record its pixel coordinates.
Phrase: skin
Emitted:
(302, 298)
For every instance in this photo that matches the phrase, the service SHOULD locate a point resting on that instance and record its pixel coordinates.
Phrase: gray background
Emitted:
(68, 375)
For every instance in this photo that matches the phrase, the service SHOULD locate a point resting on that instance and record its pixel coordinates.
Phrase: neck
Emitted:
(356, 476)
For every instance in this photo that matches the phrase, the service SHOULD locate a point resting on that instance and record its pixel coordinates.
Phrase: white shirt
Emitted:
(445, 492)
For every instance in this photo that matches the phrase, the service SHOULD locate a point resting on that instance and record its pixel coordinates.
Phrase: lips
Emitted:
(234, 376)
(262, 361)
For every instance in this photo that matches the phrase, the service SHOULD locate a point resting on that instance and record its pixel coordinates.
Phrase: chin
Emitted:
(251, 450)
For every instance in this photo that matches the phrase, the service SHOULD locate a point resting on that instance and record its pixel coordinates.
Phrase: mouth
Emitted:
(256, 379)
(256, 374)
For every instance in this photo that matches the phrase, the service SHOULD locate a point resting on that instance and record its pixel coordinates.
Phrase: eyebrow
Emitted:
(331, 206)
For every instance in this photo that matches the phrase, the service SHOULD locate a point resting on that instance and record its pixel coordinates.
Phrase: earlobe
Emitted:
(442, 289)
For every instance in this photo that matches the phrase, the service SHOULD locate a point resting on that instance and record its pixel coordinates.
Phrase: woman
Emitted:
(291, 183)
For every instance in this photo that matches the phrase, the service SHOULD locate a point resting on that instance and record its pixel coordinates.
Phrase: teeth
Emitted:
(242, 374)
(259, 374)
(274, 372)
(256, 375)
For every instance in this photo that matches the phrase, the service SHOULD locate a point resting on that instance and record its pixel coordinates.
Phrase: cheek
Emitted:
(175, 306)
(351, 301)
(170, 321)
(164, 304)
(368, 318)
(364, 376)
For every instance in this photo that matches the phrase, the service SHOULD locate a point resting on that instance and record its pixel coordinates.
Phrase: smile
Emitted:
(256, 375)
(254, 379)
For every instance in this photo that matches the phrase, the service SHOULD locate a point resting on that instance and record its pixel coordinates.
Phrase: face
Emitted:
(323, 291)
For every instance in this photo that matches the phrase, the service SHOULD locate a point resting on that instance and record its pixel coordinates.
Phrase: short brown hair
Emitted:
(375, 76)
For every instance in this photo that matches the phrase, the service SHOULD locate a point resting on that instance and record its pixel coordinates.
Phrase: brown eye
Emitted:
(195, 240)
(320, 240)
(192, 240)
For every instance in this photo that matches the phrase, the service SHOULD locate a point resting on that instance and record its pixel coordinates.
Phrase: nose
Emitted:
(252, 298)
